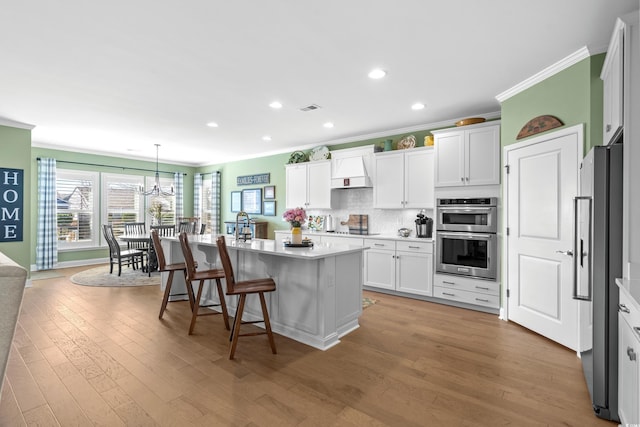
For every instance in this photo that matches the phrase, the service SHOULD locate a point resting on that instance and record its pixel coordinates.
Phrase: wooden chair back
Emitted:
(188, 256)
(114, 247)
(226, 264)
(155, 238)
(187, 227)
(203, 228)
(135, 228)
(164, 230)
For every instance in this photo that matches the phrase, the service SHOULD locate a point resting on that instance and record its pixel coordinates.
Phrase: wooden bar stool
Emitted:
(243, 288)
(201, 276)
(170, 268)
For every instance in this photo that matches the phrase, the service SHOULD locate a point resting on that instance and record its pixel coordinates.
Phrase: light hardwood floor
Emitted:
(99, 356)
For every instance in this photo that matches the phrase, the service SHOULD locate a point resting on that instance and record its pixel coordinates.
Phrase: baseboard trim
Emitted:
(78, 263)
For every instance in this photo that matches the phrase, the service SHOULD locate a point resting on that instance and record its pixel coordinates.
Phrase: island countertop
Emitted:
(274, 247)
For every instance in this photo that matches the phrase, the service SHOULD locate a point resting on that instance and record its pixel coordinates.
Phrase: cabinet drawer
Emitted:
(425, 247)
(466, 284)
(381, 244)
(475, 298)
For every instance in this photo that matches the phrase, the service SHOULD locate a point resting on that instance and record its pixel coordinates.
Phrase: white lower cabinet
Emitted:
(628, 352)
(404, 266)
(485, 293)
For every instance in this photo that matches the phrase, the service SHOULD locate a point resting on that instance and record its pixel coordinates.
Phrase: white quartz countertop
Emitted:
(383, 236)
(274, 247)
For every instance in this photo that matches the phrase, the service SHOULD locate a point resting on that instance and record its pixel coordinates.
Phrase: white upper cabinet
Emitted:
(468, 156)
(613, 86)
(309, 185)
(404, 179)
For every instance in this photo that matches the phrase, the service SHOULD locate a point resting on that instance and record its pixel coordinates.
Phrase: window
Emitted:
(76, 210)
(122, 201)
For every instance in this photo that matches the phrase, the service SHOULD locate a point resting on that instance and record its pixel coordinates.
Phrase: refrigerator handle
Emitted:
(586, 297)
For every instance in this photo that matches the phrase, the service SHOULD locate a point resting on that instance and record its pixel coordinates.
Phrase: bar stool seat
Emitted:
(200, 276)
(244, 288)
(171, 269)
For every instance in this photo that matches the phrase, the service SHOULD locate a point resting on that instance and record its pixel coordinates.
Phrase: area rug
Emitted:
(367, 302)
(99, 276)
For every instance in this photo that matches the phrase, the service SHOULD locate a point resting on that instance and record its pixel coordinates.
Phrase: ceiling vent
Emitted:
(310, 107)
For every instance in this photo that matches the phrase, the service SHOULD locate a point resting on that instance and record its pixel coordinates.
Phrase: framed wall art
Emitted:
(269, 192)
(252, 201)
(269, 208)
(236, 201)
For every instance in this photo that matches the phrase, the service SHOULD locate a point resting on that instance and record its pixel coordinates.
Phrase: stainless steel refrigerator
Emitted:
(598, 261)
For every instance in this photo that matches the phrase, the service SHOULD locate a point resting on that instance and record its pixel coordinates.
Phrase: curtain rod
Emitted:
(110, 166)
(210, 173)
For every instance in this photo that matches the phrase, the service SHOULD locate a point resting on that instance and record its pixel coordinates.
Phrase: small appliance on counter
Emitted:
(424, 226)
(328, 224)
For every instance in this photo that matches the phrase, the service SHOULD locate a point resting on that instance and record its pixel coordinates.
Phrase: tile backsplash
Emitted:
(360, 201)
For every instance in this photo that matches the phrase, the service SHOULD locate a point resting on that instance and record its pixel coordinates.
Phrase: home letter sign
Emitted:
(11, 203)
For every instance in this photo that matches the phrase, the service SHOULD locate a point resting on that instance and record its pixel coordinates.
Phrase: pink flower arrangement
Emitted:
(296, 216)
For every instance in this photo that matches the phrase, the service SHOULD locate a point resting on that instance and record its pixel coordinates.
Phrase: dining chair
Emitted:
(171, 269)
(203, 228)
(193, 276)
(164, 230)
(244, 288)
(119, 256)
(187, 227)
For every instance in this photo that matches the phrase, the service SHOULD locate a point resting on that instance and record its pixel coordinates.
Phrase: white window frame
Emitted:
(95, 240)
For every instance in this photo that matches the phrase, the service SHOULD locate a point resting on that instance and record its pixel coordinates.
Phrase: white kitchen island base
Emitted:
(318, 296)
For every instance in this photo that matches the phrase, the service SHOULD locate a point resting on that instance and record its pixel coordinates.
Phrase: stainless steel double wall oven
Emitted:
(466, 237)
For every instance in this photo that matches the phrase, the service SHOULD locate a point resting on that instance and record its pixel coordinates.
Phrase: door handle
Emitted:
(567, 252)
(623, 308)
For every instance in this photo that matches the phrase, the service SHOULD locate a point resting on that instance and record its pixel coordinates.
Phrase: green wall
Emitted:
(122, 165)
(15, 149)
(573, 95)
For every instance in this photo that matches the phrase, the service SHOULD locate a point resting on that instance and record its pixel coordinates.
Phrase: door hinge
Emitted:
(508, 293)
(507, 168)
(507, 231)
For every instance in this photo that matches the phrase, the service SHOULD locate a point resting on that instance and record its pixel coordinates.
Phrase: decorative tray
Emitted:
(304, 244)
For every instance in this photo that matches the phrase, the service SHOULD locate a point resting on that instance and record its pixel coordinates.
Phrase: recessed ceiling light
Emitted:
(328, 125)
(417, 106)
(266, 138)
(377, 73)
(275, 104)
(212, 124)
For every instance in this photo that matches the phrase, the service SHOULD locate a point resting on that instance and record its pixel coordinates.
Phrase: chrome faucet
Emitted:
(246, 229)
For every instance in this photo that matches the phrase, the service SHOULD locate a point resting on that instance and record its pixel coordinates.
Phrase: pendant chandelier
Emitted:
(157, 189)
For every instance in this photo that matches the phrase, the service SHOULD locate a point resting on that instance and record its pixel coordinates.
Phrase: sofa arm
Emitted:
(12, 282)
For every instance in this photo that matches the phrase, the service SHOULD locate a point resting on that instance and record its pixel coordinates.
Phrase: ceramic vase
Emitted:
(296, 235)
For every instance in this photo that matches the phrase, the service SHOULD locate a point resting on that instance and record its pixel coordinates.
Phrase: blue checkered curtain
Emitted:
(197, 191)
(215, 202)
(178, 182)
(47, 239)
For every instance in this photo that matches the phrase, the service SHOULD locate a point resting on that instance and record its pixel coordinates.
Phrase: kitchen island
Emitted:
(318, 296)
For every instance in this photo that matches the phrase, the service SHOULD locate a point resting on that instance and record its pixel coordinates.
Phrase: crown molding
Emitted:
(14, 124)
(449, 123)
(551, 70)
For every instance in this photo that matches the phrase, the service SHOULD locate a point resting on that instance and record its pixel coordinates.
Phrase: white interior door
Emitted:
(541, 184)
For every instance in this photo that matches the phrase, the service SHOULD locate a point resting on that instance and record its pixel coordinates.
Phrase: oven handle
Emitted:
(447, 209)
(467, 235)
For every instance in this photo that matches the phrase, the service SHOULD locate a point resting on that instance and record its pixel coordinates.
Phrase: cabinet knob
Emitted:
(467, 179)
(623, 308)
(462, 178)
(608, 128)
(631, 353)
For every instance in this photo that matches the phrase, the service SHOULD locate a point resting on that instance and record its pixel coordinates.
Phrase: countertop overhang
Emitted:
(273, 247)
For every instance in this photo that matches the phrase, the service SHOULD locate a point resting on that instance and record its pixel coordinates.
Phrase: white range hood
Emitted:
(350, 167)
